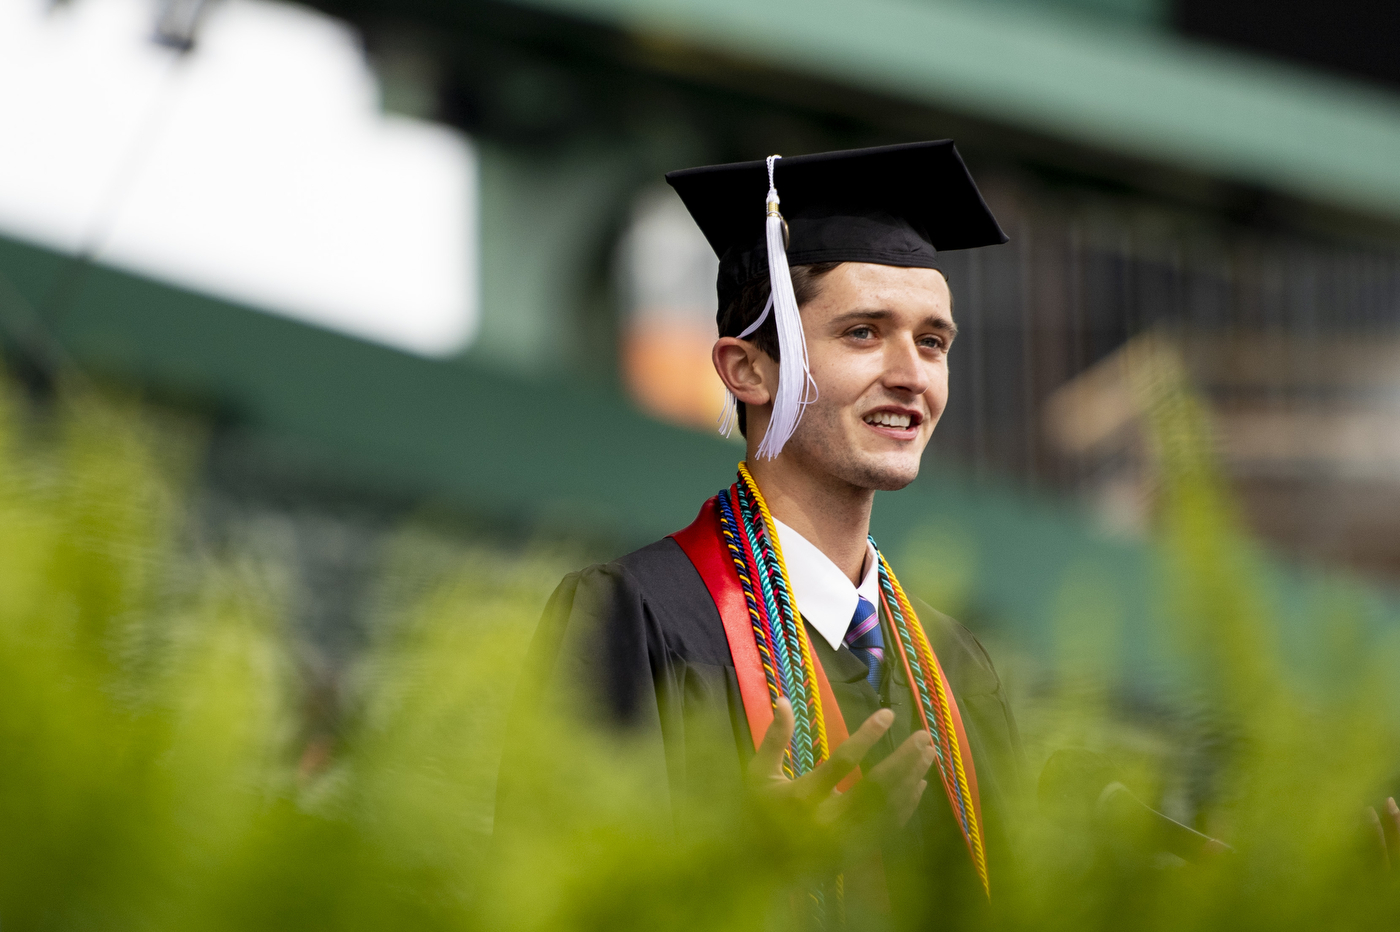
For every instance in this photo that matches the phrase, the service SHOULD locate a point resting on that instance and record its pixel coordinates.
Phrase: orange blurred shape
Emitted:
(667, 369)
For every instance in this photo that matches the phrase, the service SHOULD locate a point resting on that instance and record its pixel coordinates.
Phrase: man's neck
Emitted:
(833, 515)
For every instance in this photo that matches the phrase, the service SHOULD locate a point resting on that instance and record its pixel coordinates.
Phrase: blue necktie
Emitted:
(865, 640)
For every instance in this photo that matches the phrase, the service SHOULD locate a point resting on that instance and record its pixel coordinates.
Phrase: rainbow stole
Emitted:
(734, 545)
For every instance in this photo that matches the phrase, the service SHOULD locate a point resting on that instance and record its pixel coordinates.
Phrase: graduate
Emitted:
(774, 618)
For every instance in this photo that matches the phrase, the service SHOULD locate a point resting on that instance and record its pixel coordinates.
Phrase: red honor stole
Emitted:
(721, 540)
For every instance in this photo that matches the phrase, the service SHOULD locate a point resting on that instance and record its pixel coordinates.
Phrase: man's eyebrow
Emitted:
(933, 321)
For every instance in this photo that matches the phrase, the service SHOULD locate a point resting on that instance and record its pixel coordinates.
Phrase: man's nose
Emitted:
(905, 368)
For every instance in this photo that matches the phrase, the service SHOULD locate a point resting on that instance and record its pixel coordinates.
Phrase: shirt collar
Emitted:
(824, 594)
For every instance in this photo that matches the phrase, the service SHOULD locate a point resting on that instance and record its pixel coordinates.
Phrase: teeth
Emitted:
(887, 419)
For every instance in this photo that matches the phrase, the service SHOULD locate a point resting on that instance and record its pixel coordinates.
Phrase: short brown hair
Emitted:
(744, 310)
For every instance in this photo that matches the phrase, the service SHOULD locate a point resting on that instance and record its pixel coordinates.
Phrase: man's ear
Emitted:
(741, 366)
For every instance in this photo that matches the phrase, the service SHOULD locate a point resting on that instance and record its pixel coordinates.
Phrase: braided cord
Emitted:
(792, 620)
(761, 575)
(912, 661)
(742, 524)
(773, 661)
(762, 636)
(762, 596)
(929, 712)
(918, 650)
(787, 653)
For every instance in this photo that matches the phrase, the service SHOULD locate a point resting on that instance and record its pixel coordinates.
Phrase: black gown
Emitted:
(643, 639)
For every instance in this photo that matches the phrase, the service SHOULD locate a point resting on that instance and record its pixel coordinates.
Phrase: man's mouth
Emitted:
(893, 420)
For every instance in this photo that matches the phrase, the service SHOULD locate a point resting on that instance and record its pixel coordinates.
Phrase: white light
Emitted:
(258, 168)
(669, 268)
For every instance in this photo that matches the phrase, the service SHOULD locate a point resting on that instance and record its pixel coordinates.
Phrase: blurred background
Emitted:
(416, 260)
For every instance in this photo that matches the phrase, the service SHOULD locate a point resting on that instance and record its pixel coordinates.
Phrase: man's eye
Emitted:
(862, 333)
(932, 343)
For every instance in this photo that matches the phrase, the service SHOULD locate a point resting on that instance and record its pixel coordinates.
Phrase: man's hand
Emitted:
(1387, 830)
(890, 791)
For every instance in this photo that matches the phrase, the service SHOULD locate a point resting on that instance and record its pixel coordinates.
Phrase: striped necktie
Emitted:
(864, 638)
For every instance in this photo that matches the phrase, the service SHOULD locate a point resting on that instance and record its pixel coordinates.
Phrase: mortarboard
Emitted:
(890, 205)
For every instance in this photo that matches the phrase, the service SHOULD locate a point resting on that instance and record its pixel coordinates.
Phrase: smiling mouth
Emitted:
(895, 420)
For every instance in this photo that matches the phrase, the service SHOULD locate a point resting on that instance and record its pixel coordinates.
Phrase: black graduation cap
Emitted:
(891, 205)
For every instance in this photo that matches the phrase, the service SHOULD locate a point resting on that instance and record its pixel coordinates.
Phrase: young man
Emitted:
(773, 617)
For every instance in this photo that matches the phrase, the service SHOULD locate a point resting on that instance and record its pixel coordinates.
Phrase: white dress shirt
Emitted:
(824, 594)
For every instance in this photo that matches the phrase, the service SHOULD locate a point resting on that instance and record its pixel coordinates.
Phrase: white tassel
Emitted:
(794, 375)
(728, 415)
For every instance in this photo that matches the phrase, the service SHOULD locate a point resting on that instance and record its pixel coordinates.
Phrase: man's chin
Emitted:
(888, 477)
(895, 484)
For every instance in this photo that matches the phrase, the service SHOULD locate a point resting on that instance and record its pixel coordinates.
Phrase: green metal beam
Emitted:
(1130, 91)
(543, 215)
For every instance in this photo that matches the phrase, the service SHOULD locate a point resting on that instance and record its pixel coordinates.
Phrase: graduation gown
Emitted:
(641, 641)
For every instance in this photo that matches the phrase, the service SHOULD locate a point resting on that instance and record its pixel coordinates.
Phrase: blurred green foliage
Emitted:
(157, 769)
